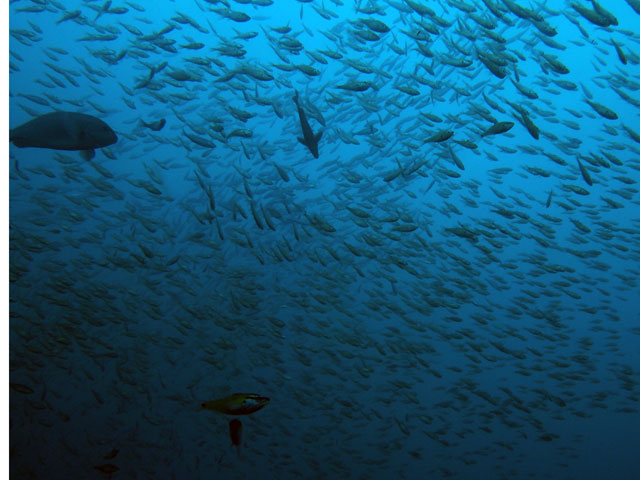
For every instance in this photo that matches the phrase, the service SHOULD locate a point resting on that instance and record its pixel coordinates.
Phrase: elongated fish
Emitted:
(584, 172)
(237, 404)
(308, 138)
(497, 128)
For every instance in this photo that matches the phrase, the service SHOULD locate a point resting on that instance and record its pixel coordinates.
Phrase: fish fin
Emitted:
(87, 154)
(318, 136)
(301, 140)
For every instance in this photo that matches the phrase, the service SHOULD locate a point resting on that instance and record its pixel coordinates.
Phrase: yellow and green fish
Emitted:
(237, 404)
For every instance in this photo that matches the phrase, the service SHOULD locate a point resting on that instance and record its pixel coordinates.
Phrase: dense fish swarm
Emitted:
(427, 263)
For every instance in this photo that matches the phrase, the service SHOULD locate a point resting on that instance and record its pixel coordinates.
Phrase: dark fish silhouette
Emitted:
(64, 131)
(155, 126)
(235, 432)
(308, 138)
(497, 128)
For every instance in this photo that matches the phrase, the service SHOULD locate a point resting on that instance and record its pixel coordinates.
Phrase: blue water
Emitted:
(435, 325)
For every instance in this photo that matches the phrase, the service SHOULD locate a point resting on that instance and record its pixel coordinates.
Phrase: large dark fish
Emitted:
(308, 138)
(64, 131)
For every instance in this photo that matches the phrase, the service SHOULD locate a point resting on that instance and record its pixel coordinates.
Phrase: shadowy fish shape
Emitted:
(64, 131)
(237, 404)
(308, 138)
(235, 432)
(17, 387)
(111, 454)
(107, 469)
(497, 128)
(155, 126)
(441, 136)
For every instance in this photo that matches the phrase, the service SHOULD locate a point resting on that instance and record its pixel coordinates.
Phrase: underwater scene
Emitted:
(324, 239)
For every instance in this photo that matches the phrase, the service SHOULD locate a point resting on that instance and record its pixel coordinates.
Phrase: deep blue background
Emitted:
(373, 371)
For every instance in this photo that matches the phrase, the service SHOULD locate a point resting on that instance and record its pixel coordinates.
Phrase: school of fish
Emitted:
(411, 225)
